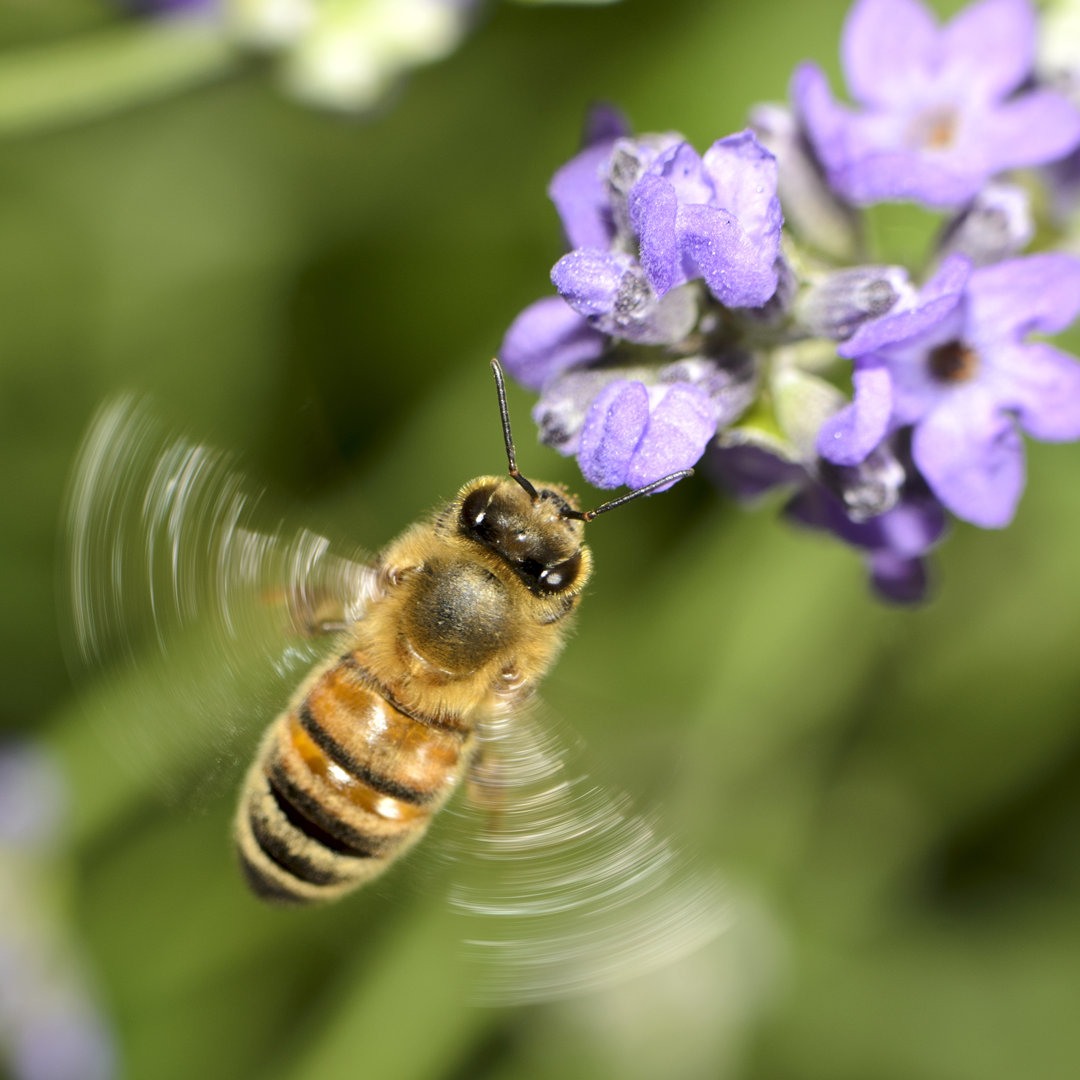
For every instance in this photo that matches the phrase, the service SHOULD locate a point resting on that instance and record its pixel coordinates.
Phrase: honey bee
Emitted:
(470, 610)
(439, 644)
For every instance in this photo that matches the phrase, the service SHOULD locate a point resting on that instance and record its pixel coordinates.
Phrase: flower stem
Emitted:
(96, 75)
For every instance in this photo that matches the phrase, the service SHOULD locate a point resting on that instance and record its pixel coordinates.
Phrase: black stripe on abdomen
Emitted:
(277, 849)
(267, 888)
(320, 824)
(356, 769)
(366, 678)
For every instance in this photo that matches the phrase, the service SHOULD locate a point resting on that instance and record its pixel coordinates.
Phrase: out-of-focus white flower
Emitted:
(345, 54)
(1059, 47)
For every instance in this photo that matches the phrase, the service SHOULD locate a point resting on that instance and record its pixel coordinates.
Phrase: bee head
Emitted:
(536, 535)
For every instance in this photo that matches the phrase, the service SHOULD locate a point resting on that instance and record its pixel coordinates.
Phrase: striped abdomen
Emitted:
(342, 784)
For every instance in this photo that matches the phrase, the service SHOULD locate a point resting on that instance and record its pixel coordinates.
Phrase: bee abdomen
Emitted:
(344, 782)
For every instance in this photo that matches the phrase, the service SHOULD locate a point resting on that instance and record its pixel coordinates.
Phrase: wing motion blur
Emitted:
(578, 891)
(179, 577)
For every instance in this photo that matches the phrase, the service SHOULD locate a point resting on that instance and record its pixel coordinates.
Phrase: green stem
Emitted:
(106, 72)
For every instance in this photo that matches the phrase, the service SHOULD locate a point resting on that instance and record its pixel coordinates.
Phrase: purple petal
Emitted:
(588, 279)
(1034, 128)
(848, 437)
(914, 526)
(939, 298)
(613, 428)
(579, 192)
(909, 529)
(682, 167)
(733, 266)
(1044, 389)
(889, 48)
(744, 175)
(950, 278)
(604, 122)
(654, 207)
(866, 156)
(749, 471)
(972, 457)
(903, 581)
(565, 402)
(680, 427)
(824, 121)
(1038, 293)
(871, 176)
(547, 338)
(989, 48)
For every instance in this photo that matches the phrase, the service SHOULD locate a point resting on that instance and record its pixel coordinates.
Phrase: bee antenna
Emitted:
(648, 489)
(508, 438)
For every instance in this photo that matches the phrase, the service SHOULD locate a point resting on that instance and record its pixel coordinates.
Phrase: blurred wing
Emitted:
(175, 577)
(578, 891)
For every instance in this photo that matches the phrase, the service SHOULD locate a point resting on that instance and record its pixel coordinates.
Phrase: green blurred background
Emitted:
(894, 795)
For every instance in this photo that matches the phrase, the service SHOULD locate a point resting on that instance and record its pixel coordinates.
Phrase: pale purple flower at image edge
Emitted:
(957, 369)
(168, 7)
(943, 108)
(50, 1027)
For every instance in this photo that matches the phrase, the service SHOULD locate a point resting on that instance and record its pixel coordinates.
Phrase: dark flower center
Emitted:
(935, 129)
(953, 362)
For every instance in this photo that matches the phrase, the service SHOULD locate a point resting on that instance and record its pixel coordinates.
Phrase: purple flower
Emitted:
(32, 797)
(547, 338)
(634, 435)
(715, 217)
(894, 543)
(648, 219)
(956, 368)
(612, 291)
(637, 423)
(941, 108)
(579, 189)
(169, 7)
(648, 215)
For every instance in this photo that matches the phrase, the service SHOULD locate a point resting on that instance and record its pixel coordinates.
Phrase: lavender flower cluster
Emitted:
(692, 326)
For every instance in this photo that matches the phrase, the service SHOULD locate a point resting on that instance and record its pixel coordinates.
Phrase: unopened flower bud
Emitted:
(613, 292)
(838, 304)
(810, 207)
(868, 489)
(997, 225)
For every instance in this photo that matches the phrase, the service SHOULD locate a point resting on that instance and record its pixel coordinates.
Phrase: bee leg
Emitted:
(312, 615)
(321, 615)
(486, 786)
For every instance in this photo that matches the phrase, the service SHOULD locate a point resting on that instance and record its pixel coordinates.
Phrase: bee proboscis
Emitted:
(438, 645)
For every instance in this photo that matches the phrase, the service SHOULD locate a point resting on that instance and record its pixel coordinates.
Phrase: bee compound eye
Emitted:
(561, 576)
(474, 509)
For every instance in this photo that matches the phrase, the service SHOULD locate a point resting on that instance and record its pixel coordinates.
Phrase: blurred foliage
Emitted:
(895, 793)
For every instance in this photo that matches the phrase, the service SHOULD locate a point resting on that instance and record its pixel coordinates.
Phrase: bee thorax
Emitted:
(458, 617)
